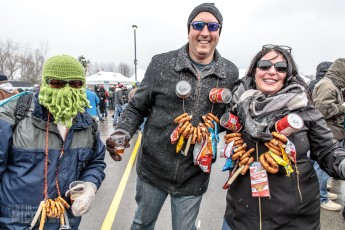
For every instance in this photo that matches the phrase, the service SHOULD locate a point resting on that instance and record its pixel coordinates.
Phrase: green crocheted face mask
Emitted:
(63, 103)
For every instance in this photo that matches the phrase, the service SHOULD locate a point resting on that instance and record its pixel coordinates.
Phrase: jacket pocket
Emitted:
(84, 156)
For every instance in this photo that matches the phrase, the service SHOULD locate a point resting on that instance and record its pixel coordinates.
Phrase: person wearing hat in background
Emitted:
(6, 88)
(118, 103)
(55, 144)
(161, 171)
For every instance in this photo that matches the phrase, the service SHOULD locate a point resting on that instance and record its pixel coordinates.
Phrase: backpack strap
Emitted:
(94, 132)
(23, 106)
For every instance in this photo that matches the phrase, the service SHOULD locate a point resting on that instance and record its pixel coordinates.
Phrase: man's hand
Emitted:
(111, 146)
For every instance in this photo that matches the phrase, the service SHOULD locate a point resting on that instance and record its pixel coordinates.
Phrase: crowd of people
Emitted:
(272, 163)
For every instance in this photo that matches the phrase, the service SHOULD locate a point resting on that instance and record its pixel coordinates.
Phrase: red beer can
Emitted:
(230, 122)
(289, 124)
(220, 95)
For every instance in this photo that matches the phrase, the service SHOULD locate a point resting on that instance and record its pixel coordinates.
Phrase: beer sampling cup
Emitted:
(120, 142)
(76, 188)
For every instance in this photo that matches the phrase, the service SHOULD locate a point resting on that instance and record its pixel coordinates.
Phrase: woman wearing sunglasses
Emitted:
(283, 193)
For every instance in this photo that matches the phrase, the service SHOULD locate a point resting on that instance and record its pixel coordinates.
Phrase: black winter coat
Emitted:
(294, 201)
(156, 99)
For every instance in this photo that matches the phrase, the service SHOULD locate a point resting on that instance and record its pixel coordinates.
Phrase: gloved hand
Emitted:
(342, 168)
(111, 145)
(83, 203)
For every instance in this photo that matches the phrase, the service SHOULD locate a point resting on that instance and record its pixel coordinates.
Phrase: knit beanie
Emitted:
(63, 67)
(3, 78)
(205, 7)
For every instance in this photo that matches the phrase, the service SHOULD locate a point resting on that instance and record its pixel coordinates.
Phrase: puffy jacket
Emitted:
(294, 201)
(327, 97)
(22, 157)
(156, 99)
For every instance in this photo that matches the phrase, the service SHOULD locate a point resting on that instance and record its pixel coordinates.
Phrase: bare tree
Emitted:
(31, 64)
(9, 58)
(124, 69)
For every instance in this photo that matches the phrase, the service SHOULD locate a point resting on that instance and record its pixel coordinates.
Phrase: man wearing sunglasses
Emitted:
(162, 171)
(56, 143)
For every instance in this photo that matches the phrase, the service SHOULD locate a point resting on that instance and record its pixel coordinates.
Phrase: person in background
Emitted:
(135, 86)
(55, 144)
(278, 189)
(111, 98)
(6, 88)
(103, 97)
(328, 98)
(163, 170)
(118, 103)
(94, 103)
(124, 97)
(326, 197)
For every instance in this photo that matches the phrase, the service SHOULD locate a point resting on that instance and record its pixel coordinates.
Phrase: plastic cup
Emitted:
(76, 188)
(120, 140)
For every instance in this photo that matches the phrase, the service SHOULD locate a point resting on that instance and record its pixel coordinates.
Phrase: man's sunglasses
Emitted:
(211, 26)
(270, 46)
(266, 65)
(58, 84)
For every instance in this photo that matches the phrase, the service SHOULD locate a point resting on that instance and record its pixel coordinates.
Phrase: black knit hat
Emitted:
(205, 7)
(3, 78)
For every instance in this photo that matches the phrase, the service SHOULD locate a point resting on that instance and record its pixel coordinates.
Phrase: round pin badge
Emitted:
(183, 89)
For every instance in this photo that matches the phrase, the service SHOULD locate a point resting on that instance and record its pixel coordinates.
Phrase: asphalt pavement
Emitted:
(114, 205)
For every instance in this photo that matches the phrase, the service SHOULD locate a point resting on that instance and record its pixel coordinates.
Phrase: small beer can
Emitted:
(183, 89)
(289, 124)
(220, 95)
(231, 122)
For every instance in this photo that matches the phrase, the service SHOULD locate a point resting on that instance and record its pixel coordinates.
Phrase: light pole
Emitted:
(135, 50)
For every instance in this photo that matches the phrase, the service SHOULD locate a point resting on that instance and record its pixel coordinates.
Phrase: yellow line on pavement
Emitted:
(109, 219)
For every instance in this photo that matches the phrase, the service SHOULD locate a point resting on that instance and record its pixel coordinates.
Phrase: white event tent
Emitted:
(107, 78)
(140, 75)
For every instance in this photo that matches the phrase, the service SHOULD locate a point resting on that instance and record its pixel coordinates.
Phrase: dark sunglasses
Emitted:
(270, 46)
(266, 65)
(58, 84)
(211, 26)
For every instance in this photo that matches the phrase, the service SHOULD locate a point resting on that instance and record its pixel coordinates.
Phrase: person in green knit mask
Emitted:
(63, 92)
(56, 145)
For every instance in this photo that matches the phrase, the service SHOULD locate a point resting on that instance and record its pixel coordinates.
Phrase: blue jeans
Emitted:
(184, 209)
(117, 113)
(323, 177)
(226, 225)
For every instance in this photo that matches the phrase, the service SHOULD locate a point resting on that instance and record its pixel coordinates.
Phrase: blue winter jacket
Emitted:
(22, 156)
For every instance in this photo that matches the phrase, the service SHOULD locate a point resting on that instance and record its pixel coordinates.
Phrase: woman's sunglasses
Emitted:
(266, 65)
(270, 46)
(211, 26)
(58, 84)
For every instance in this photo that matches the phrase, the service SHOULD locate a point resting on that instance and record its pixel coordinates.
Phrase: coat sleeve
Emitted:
(325, 100)
(6, 132)
(323, 148)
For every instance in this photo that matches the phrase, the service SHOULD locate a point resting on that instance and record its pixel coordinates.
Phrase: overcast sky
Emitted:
(102, 30)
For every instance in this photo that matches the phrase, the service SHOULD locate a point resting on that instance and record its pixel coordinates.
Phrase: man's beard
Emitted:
(64, 103)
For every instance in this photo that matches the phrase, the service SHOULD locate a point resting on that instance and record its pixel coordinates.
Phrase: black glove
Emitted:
(112, 146)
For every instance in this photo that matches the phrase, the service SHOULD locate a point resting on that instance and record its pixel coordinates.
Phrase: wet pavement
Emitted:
(212, 208)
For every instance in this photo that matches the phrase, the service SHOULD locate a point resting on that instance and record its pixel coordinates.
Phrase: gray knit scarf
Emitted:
(259, 112)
